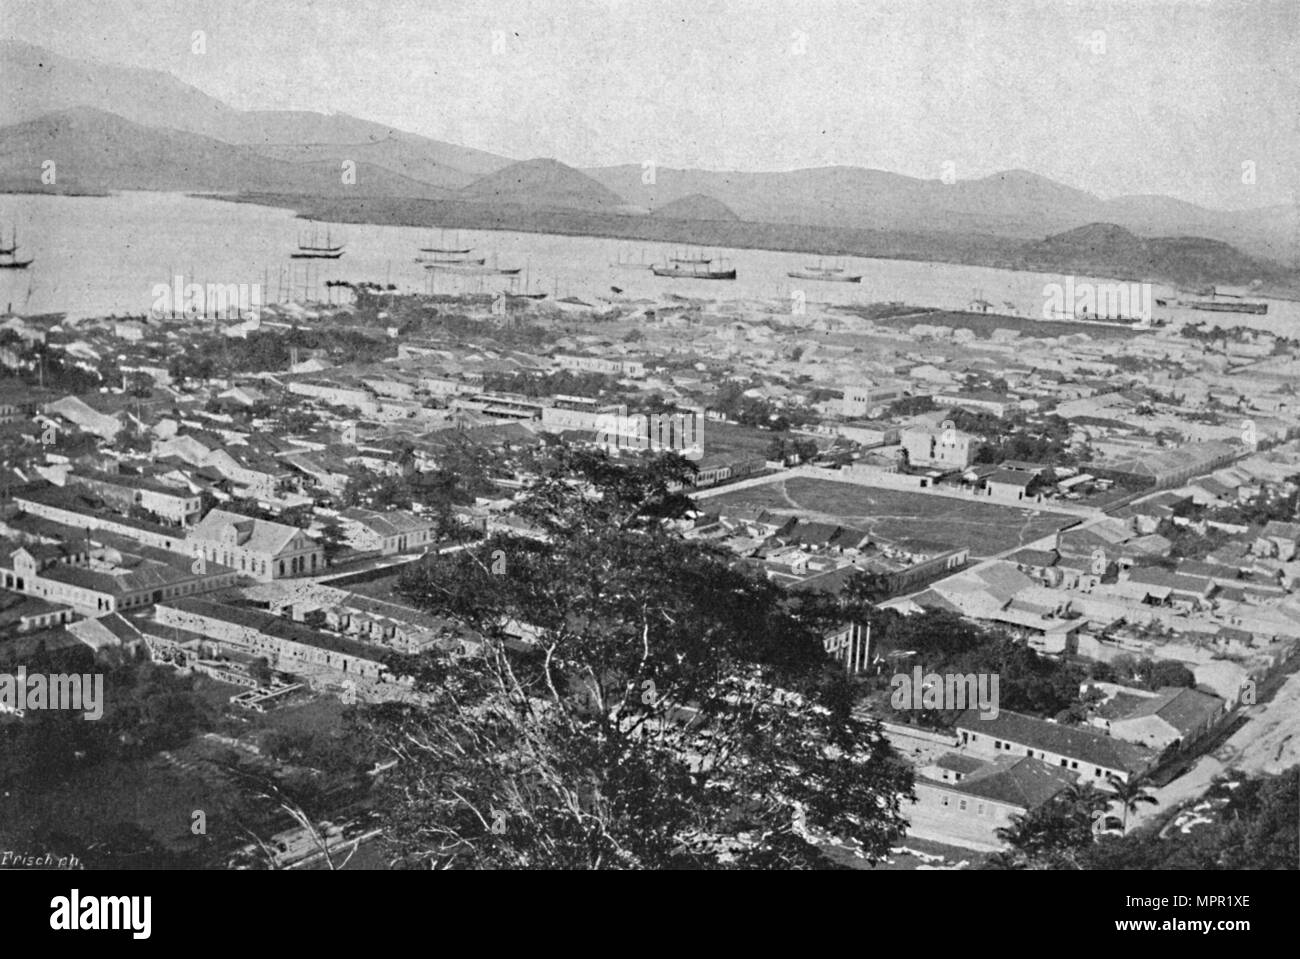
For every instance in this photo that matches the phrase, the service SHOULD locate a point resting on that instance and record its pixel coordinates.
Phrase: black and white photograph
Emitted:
(858, 436)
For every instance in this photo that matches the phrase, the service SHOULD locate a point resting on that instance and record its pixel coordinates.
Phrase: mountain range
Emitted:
(111, 127)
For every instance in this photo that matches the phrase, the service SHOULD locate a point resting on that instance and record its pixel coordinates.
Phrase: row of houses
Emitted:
(1003, 767)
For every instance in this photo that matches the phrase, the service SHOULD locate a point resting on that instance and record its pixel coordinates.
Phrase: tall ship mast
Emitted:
(444, 255)
(445, 250)
(695, 268)
(315, 250)
(9, 254)
(467, 267)
(825, 274)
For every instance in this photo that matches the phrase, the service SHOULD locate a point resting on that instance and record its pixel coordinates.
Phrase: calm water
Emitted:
(104, 255)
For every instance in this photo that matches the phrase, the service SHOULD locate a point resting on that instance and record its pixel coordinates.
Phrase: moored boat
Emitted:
(827, 275)
(694, 268)
(317, 251)
(9, 254)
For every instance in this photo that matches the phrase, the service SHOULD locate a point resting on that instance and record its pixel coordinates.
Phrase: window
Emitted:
(997, 744)
(944, 800)
(961, 804)
(1096, 772)
(1063, 762)
(1074, 764)
(979, 811)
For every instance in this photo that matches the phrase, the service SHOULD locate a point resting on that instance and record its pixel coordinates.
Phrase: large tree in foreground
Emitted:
(669, 711)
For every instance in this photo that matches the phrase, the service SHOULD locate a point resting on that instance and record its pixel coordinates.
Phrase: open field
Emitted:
(901, 517)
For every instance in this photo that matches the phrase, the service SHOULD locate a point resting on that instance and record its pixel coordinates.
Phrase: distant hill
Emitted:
(1014, 203)
(115, 127)
(544, 184)
(397, 156)
(696, 206)
(37, 82)
(95, 150)
(1106, 249)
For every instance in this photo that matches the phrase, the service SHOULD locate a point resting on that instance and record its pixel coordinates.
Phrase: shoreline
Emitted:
(978, 250)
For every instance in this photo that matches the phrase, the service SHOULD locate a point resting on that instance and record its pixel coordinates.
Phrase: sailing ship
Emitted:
(9, 254)
(1229, 306)
(526, 294)
(471, 270)
(827, 274)
(629, 264)
(317, 251)
(447, 250)
(475, 267)
(1220, 300)
(449, 256)
(450, 260)
(686, 265)
(683, 269)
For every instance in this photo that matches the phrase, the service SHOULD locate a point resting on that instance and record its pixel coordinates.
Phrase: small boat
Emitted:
(474, 270)
(9, 254)
(827, 275)
(1216, 305)
(694, 268)
(317, 251)
(703, 270)
(443, 249)
(450, 261)
(1229, 306)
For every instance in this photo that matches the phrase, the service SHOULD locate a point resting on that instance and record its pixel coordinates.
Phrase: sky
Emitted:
(1198, 99)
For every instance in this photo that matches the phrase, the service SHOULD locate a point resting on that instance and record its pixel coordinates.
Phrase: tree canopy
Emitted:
(671, 711)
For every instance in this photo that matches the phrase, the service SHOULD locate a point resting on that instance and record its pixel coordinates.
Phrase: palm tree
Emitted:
(1084, 797)
(1131, 794)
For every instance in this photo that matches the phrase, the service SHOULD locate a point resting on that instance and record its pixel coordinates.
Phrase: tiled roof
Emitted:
(1184, 709)
(1071, 741)
(272, 625)
(262, 536)
(1023, 782)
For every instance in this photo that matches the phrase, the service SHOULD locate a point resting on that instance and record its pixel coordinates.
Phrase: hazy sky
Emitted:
(1115, 98)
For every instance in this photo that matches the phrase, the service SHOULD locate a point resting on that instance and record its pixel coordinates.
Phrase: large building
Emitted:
(78, 508)
(389, 532)
(864, 399)
(948, 449)
(287, 646)
(599, 364)
(99, 579)
(1084, 752)
(255, 547)
(170, 503)
(964, 801)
